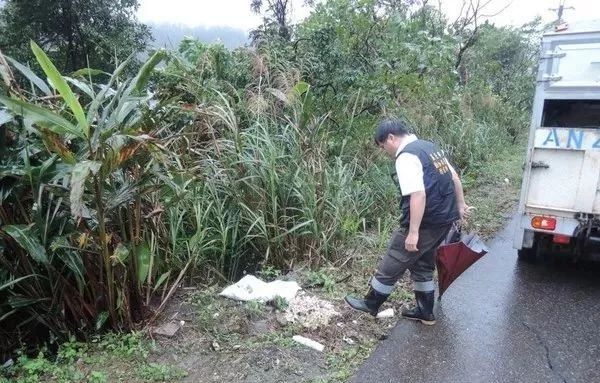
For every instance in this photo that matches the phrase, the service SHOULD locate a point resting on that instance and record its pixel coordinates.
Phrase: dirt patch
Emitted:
(224, 340)
(270, 363)
(223, 343)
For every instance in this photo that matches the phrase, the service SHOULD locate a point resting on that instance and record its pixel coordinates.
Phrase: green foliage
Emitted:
(35, 368)
(321, 279)
(280, 303)
(154, 372)
(269, 194)
(207, 308)
(269, 273)
(255, 310)
(90, 33)
(370, 58)
(345, 362)
(28, 241)
(70, 204)
(124, 345)
(97, 361)
(276, 19)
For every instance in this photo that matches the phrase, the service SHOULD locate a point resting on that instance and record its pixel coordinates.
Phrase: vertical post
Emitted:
(561, 10)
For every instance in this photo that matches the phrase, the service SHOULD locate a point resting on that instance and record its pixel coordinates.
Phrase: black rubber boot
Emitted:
(423, 311)
(369, 304)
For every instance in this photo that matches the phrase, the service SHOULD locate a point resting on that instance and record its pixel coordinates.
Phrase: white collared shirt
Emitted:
(409, 169)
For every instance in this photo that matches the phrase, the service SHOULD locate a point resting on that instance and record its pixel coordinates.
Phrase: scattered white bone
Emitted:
(389, 313)
(310, 311)
(308, 343)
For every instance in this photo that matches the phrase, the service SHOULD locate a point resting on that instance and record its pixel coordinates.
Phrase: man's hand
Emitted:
(465, 211)
(411, 241)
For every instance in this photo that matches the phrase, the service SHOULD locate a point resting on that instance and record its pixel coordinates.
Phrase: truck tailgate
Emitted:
(565, 170)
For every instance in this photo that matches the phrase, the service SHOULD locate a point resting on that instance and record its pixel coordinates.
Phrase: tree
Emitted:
(276, 18)
(74, 32)
(277, 15)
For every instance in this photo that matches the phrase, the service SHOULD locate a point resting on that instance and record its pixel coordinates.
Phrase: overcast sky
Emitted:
(236, 13)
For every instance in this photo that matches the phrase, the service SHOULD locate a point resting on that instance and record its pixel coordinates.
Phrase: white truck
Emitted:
(559, 208)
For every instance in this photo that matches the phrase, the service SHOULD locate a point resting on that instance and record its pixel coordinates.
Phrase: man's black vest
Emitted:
(440, 205)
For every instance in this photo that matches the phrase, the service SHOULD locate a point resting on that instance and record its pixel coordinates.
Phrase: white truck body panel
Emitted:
(561, 177)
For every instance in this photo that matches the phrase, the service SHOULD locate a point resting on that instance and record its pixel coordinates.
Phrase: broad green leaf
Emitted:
(126, 111)
(28, 73)
(28, 240)
(142, 77)
(106, 90)
(127, 108)
(143, 261)
(41, 116)
(82, 86)
(63, 88)
(107, 118)
(301, 88)
(61, 247)
(161, 280)
(72, 259)
(79, 174)
(88, 72)
(120, 254)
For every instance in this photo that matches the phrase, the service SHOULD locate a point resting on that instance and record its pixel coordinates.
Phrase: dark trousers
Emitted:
(420, 263)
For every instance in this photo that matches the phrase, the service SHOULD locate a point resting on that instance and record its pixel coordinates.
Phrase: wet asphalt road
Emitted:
(502, 321)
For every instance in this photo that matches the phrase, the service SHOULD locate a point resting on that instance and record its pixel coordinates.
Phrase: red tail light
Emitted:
(561, 239)
(543, 223)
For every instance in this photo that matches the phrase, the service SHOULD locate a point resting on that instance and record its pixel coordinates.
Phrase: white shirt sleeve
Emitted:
(410, 174)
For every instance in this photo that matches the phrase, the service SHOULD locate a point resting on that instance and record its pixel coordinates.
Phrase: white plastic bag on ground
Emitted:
(251, 288)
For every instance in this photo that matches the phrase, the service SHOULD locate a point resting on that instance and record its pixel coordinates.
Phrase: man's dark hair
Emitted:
(387, 127)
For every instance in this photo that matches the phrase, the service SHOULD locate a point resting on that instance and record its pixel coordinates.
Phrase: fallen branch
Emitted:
(170, 294)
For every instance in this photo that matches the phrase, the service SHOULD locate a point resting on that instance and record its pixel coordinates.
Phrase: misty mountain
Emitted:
(170, 35)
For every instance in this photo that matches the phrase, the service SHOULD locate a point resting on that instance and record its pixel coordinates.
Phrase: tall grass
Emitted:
(262, 197)
(267, 187)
